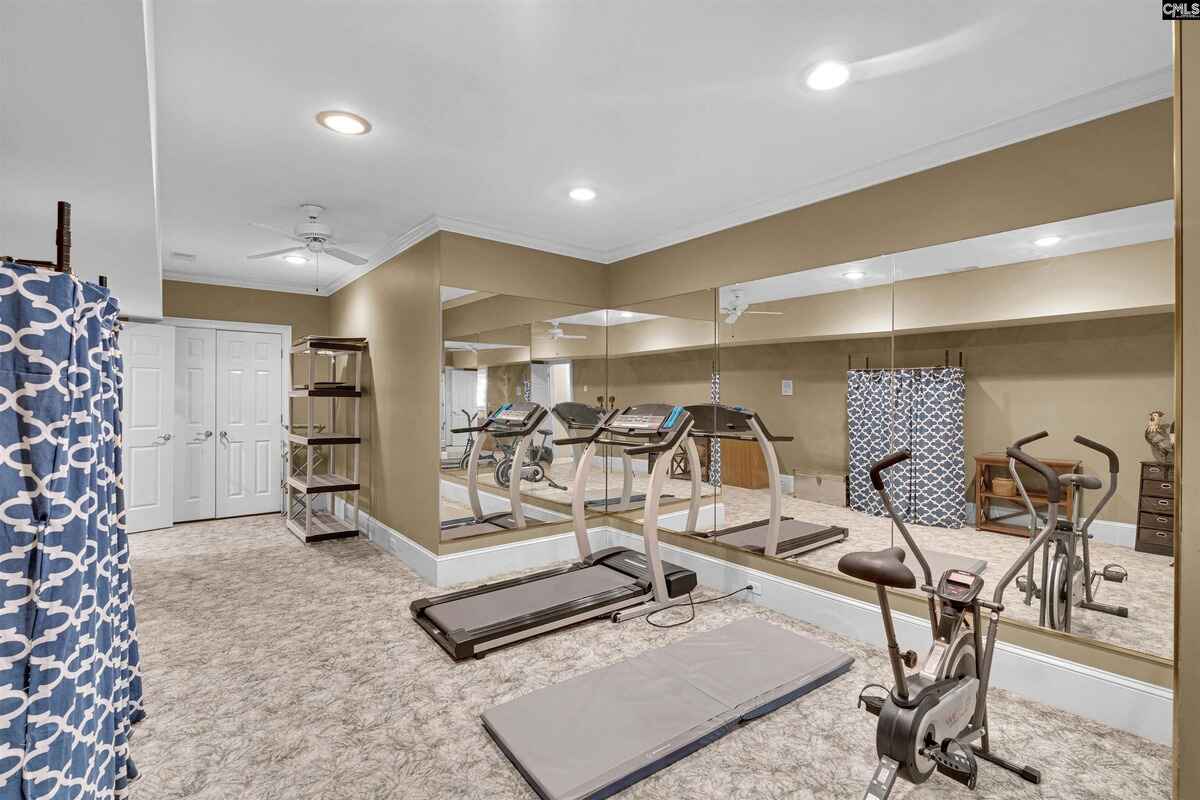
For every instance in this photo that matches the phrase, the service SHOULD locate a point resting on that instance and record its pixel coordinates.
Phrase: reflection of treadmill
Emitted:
(510, 421)
(777, 535)
(579, 418)
(616, 582)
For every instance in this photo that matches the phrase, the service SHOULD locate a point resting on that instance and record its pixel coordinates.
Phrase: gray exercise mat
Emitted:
(596, 734)
(481, 610)
(939, 562)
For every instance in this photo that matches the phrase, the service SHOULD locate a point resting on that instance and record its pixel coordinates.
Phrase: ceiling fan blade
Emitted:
(346, 256)
(271, 253)
(572, 336)
(766, 313)
(278, 231)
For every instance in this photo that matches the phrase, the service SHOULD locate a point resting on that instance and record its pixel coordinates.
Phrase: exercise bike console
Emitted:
(959, 587)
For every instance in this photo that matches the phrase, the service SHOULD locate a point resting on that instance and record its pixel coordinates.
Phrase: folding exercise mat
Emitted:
(599, 733)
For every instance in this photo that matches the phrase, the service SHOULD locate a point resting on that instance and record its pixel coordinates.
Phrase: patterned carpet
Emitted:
(275, 671)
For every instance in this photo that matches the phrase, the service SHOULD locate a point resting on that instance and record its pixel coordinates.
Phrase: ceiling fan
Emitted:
(311, 235)
(556, 332)
(738, 305)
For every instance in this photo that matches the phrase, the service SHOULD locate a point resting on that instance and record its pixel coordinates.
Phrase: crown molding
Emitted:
(1112, 99)
(482, 231)
(222, 280)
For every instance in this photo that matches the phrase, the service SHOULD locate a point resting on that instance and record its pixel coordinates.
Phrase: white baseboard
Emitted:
(1115, 700)
(495, 503)
(1121, 534)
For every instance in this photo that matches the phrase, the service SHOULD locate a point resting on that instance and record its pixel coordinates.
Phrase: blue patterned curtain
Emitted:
(70, 690)
(923, 410)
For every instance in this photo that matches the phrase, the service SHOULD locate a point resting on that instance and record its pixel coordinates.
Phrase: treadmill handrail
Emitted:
(472, 429)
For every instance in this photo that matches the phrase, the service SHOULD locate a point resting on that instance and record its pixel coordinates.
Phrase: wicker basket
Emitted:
(1005, 487)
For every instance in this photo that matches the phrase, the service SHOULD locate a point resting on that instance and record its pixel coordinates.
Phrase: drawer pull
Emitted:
(1164, 502)
(1165, 485)
(1160, 534)
(1163, 520)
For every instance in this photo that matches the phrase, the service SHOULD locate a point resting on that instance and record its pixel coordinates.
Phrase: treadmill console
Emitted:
(515, 415)
(646, 420)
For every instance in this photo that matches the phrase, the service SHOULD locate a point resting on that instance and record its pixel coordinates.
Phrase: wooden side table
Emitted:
(992, 509)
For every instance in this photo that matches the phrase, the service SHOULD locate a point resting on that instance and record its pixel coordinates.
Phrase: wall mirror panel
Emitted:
(508, 368)
(1065, 327)
(663, 352)
(787, 344)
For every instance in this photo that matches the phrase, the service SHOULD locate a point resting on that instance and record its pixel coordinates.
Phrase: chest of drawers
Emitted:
(1156, 509)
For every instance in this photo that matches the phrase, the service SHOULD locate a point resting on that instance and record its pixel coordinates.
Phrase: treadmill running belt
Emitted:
(596, 734)
(482, 610)
(792, 533)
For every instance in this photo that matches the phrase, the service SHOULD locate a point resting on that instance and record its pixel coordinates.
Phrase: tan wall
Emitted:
(306, 313)
(505, 384)
(483, 265)
(1187, 547)
(1115, 162)
(398, 308)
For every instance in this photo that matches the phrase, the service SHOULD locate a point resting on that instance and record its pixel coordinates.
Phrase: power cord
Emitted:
(692, 607)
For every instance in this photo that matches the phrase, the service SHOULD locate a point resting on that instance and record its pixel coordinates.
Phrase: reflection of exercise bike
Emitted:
(1066, 557)
(535, 470)
(461, 461)
(932, 719)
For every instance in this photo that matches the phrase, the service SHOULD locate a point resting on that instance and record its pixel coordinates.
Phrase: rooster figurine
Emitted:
(1160, 438)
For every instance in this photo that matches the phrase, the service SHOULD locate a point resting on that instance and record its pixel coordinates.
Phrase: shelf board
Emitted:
(324, 526)
(319, 439)
(1003, 527)
(325, 391)
(323, 483)
(329, 345)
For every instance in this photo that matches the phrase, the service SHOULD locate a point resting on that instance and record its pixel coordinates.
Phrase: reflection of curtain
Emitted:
(714, 445)
(926, 409)
(69, 665)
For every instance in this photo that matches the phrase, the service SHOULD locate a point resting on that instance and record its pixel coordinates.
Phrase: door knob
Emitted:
(203, 437)
(224, 437)
(162, 438)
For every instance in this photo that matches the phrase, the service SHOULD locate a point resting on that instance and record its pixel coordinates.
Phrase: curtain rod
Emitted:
(867, 360)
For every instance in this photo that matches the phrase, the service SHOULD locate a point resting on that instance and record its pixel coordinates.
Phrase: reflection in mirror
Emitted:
(508, 382)
(660, 353)
(786, 345)
(1065, 327)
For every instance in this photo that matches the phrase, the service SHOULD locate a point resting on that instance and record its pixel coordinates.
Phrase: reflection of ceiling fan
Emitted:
(312, 235)
(556, 332)
(737, 306)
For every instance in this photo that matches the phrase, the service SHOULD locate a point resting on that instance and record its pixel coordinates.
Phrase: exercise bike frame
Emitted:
(941, 691)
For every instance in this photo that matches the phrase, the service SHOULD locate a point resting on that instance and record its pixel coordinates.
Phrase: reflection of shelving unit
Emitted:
(311, 485)
(987, 502)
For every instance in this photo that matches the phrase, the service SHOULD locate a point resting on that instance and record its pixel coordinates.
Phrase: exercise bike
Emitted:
(535, 469)
(936, 718)
(1066, 556)
(461, 461)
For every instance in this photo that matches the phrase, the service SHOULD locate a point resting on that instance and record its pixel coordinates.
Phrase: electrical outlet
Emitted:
(755, 588)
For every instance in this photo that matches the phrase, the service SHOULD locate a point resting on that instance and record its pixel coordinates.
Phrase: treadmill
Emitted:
(616, 582)
(510, 421)
(776, 535)
(577, 417)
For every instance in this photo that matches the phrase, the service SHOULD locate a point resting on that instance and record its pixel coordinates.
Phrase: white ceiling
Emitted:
(685, 117)
(76, 123)
(1147, 223)
(451, 293)
(606, 318)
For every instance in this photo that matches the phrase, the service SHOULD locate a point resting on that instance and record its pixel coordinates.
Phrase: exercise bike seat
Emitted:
(545, 431)
(885, 567)
(1083, 481)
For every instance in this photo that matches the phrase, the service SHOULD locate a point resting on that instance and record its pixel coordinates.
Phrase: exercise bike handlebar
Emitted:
(1053, 485)
(1114, 464)
(887, 461)
(1033, 437)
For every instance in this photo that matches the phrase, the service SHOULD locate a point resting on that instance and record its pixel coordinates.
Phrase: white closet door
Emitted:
(463, 394)
(195, 424)
(249, 425)
(149, 352)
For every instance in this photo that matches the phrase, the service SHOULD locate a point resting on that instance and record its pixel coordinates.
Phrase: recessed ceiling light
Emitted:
(827, 75)
(295, 259)
(627, 314)
(344, 122)
(582, 194)
(854, 275)
(1047, 241)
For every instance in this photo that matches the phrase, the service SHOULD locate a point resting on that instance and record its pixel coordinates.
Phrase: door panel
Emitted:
(148, 428)
(195, 424)
(248, 422)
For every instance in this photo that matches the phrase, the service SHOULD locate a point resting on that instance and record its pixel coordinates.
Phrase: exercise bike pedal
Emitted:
(955, 762)
(873, 703)
(1115, 573)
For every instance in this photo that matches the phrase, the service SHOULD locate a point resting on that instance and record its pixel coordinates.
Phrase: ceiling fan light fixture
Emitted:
(827, 75)
(854, 275)
(295, 259)
(344, 122)
(1047, 241)
(582, 194)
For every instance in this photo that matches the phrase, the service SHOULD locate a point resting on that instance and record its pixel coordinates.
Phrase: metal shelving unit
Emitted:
(310, 508)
